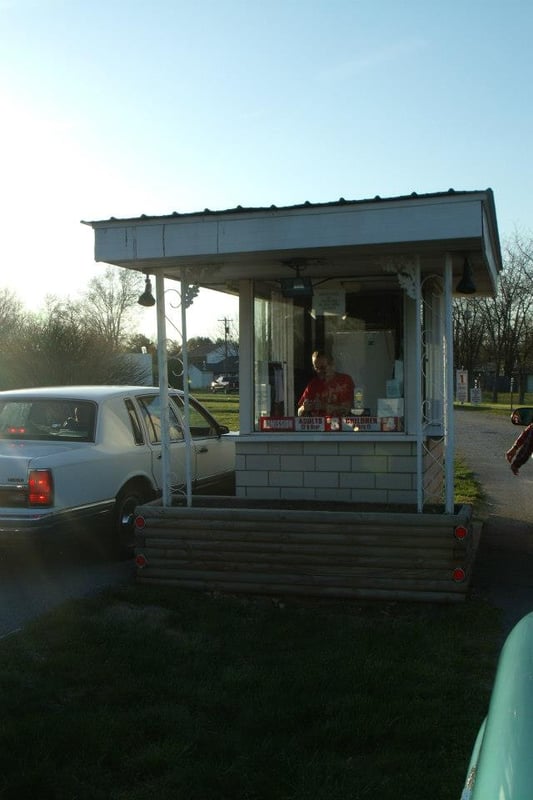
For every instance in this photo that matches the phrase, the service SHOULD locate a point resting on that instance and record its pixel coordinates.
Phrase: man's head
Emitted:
(322, 364)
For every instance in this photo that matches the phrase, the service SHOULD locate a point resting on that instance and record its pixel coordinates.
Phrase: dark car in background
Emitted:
(225, 383)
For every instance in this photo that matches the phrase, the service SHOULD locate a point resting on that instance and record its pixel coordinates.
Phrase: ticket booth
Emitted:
(371, 284)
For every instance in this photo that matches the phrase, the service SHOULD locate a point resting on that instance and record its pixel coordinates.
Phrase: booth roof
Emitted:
(306, 204)
(216, 249)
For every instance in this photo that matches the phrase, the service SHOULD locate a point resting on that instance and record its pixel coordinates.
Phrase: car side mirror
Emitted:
(522, 416)
(224, 428)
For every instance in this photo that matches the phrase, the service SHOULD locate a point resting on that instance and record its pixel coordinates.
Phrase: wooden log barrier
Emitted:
(239, 547)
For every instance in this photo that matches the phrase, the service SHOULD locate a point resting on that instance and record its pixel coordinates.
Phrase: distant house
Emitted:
(209, 360)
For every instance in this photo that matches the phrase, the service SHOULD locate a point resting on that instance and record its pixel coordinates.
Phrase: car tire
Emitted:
(130, 496)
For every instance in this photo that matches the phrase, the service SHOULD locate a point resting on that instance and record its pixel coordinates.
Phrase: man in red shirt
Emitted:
(329, 392)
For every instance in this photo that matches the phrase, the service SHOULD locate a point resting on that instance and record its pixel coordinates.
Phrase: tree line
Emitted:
(77, 342)
(493, 336)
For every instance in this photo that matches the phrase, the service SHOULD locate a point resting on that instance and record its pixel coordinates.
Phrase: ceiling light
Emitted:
(466, 284)
(147, 298)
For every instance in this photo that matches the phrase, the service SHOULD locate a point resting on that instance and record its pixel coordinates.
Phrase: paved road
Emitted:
(33, 583)
(503, 571)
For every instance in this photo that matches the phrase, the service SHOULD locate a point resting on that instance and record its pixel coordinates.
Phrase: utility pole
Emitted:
(226, 322)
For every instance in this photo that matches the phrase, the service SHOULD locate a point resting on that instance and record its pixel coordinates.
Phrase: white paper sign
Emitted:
(461, 385)
(329, 302)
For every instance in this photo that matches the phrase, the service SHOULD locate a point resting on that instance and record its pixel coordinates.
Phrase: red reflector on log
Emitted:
(461, 532)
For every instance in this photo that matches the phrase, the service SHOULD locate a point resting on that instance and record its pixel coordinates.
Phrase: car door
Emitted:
(213, 453)
(150, 406)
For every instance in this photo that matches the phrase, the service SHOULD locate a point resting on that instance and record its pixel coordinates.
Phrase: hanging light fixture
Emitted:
(466, 285)
(298, 286)
(147, 298)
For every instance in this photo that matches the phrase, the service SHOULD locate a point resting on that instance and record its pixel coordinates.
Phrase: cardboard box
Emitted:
(391, 424)
(390, 407)
(394, 388)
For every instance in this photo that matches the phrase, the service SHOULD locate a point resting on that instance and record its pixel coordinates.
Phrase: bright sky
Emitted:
(124, 107)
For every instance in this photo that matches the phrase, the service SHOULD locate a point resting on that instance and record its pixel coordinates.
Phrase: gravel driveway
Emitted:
(482, 439)
(503, 571)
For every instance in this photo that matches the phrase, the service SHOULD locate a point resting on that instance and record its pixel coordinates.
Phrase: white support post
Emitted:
(163, 388)
(418, 393)
(186, 405)
(449, 438)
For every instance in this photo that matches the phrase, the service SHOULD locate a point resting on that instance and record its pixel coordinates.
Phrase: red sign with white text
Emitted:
(319, 424)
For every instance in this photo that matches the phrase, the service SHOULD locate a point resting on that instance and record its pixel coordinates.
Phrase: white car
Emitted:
(83, 454)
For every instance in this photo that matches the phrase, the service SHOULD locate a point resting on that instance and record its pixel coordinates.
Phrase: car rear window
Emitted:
(48, 419)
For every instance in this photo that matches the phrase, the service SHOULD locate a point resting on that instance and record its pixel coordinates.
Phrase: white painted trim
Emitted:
(246, 357)
(418, 392)
(449, 438)
(163, 388)
(186, 411)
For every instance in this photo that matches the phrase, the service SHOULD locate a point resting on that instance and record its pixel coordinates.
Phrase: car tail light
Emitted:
(40, 487)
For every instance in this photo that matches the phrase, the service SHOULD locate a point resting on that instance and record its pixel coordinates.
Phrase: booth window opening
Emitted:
(330, 360)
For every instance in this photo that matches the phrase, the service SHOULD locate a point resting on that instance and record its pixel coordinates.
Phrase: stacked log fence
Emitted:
(234, 548)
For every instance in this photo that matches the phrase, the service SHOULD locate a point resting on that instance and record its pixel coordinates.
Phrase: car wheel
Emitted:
(131, 496)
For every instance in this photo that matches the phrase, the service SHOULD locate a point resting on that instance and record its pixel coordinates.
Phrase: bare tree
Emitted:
(518, 254)
(139, 343)
(11, 313)
(508, 317)
(110, 304)
(12, 316)
(469, 334)
(57, 348)
(198, 341)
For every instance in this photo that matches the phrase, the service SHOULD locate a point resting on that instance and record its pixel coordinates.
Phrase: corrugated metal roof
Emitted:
(307, 204)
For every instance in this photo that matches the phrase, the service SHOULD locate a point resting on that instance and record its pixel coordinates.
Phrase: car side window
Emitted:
(151, 410)
(134, 421)
(200, 422)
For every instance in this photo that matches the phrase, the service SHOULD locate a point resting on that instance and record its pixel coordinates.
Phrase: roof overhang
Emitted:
(359, 239)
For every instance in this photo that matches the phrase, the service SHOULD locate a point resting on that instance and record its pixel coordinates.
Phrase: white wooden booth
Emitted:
(370, 281)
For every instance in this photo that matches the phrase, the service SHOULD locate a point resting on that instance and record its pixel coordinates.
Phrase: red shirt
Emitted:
(337, 390)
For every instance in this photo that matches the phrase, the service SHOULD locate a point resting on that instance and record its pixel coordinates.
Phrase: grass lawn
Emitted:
(149, 692)
(154, 692)
(503, 408)
(225, 407)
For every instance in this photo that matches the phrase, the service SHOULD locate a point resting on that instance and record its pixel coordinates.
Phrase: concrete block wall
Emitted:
(361, 472)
